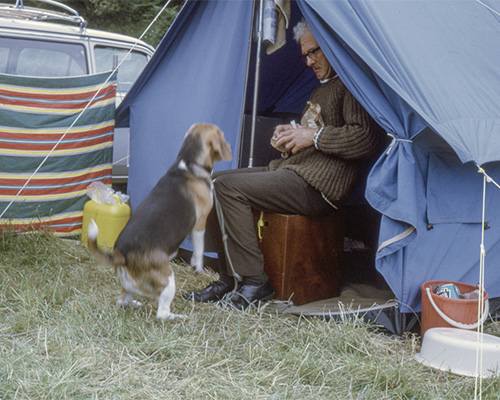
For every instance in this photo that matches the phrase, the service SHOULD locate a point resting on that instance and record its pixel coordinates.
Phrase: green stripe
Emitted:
(10, 164)
(25, 120)
(43, 209)
(57, 83)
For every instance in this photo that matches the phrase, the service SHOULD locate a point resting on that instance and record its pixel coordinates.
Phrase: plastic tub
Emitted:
(456, 351)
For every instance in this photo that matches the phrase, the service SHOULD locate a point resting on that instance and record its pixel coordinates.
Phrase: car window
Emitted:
(4, 56)
(107, 58)
(53, 59)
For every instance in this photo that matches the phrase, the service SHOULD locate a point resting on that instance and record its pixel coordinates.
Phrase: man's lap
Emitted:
(279, 191)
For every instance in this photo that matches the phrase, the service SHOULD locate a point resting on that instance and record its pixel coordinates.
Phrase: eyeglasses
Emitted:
(312, 54)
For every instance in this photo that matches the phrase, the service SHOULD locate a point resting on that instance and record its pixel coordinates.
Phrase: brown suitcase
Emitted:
(302, 255)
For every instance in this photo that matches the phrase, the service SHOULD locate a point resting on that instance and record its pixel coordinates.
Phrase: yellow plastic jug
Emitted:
(110, 218)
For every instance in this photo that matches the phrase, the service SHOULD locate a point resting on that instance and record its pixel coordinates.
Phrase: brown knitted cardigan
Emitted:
(349, 137)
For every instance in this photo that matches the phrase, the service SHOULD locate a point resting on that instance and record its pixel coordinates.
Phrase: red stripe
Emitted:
(54, 220)
(55, 106)
(37, 180)
(55, 136)
(58, 96)
(64, 145)
(51, 227)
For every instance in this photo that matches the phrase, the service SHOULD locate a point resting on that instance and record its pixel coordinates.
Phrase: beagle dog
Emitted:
(175, 208)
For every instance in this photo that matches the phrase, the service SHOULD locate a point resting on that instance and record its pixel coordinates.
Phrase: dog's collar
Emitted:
(196, 169)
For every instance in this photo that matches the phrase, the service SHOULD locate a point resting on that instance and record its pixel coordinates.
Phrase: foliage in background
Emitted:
(130, 17)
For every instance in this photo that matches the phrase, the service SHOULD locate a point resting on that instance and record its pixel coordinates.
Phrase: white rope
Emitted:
(479, 339)
(489, 179)
(84, 109)
(394, 140)
(220, 216)
(488, 7)
(120, 160)
(480, 329)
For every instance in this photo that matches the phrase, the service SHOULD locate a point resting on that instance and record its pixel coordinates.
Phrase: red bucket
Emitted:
(439, 311)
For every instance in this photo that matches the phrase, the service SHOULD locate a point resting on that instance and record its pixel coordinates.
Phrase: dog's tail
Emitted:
(113, 258)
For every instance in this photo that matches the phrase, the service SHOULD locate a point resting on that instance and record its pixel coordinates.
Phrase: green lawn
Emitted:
(63, 337)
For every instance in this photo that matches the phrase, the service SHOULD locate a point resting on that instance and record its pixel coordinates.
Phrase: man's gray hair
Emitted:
(300, 30)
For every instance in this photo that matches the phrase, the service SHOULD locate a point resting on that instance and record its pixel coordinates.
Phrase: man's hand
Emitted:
(293, 139)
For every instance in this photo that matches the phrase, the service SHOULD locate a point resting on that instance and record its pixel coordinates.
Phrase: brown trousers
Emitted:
(238, 191)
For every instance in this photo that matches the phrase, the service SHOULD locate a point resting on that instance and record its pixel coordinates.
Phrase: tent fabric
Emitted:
(427, 52)
(419, 57)
(425, 70)
(215, 60)
(35, 114)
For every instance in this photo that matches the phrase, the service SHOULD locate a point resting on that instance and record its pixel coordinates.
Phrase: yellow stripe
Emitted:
(40, 110)
(57, 131)
(31, 199)
(41, 175)
(56, 152)
(74, 232)
(53, 218)
(15, 88)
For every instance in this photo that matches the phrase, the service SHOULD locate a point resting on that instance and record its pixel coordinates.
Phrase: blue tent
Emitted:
(427, 71)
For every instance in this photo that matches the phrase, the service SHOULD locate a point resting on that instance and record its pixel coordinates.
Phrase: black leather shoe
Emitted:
(250, 294)
(213, 292)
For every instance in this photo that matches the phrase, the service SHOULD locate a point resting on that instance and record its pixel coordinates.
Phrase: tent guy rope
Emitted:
(49, 154)
(488, 7)
(480, 306)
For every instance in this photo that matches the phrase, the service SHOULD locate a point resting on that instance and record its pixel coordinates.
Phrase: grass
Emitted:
(63, 337)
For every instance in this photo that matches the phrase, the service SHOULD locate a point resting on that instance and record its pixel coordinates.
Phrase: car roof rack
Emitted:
(19, 11)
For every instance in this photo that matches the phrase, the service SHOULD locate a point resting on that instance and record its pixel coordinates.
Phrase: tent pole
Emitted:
(256, 84)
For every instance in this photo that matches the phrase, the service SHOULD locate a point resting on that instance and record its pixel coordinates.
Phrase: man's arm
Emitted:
(359, 137)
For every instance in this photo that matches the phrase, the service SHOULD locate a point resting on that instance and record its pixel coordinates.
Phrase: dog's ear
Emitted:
(220, 148)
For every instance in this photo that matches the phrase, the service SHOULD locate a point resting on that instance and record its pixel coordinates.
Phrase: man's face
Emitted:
(316, 59)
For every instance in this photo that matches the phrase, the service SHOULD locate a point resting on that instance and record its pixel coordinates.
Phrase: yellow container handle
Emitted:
(260, 224)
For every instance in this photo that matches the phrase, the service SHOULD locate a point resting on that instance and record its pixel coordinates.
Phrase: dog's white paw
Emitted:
(135, 303)
(195, 261)
(197, 264)
(128, 303)
(198, 268)
(171, 316)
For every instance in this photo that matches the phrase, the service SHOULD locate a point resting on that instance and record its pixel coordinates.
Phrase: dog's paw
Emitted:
(198, 269)
(128, 303)
(197, 264)
(135, 303)
(171, 316)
